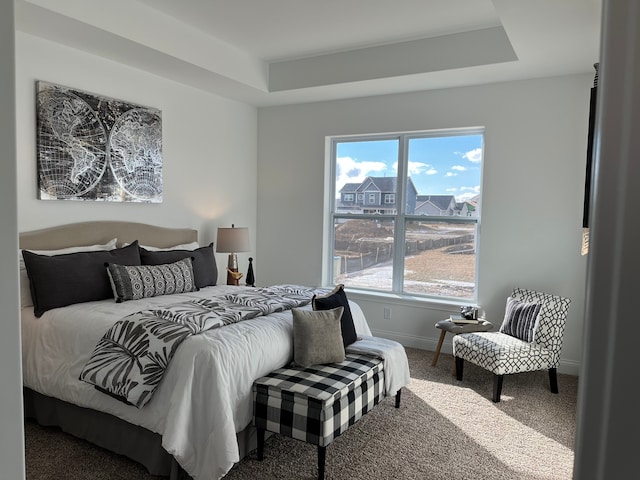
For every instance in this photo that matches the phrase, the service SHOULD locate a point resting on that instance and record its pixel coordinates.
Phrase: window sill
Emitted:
(407, 299)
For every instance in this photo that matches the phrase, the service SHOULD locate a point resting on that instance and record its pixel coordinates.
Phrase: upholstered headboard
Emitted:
(99, 232)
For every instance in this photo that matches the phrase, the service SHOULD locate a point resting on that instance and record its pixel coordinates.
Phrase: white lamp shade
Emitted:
(232, 240)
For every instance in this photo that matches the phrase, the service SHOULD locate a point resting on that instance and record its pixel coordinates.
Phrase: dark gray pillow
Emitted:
(317, 337)
(61, 280)
(133, 282)
(338, 298)
(205, 269)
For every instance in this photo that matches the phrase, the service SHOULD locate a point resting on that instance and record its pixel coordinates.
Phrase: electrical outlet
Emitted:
(387, 313)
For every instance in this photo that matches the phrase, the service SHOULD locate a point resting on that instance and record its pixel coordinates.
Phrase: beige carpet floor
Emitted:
(444, 429)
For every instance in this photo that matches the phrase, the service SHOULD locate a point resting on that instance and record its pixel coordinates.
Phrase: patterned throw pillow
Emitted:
(338, 298)
(136, 282)
(317, 337)
(520, 319)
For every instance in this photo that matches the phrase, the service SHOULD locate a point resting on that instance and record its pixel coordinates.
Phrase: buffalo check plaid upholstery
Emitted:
(318, 403)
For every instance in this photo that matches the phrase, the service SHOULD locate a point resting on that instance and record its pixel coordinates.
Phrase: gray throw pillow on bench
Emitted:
(317, 337)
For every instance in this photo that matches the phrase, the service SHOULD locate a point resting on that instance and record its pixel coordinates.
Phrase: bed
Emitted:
(198, 422)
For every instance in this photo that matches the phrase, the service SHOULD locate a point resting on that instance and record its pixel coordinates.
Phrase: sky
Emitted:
(437, 165)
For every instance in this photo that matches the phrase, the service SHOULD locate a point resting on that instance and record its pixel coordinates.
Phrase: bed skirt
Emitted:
(114, 434)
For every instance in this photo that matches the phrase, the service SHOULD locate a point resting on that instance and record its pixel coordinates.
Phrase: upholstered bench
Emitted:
(318, 403)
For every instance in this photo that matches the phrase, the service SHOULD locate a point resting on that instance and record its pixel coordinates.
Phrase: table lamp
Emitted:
(233, 240)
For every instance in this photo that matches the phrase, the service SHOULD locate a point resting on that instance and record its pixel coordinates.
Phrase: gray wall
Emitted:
(11, 432)
(607, 411)
(533, 185)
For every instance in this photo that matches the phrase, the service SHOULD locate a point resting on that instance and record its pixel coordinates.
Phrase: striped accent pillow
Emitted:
(136, 282)
(520, 319)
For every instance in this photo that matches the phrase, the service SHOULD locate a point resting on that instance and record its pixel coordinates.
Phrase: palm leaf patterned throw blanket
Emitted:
(132, 356)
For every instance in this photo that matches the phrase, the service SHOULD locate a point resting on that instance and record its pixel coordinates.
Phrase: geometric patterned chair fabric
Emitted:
(503, 354)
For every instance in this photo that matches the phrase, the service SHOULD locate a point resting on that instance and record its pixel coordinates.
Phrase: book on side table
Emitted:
(456, 318)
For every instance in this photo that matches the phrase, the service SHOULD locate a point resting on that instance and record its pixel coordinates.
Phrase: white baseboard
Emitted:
(411, 341)
(569, 367)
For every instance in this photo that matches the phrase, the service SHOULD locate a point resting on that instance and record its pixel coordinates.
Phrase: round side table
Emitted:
(456, 328)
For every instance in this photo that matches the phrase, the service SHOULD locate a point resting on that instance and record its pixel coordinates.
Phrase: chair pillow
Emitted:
(520, 319)
(338, 298)
(133, 282)
(205, 269)
(61, 280)
(317, 337)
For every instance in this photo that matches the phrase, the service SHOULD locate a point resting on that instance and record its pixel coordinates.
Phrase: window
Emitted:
(418, 233)
(348, 197)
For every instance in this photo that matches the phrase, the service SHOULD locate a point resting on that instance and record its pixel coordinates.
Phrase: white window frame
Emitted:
(399, 217)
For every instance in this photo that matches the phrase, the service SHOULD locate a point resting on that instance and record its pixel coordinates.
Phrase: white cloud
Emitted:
(467, 193)
(460, 168)
(465, 196)
(474, 156)
(451, 174)
(416, 168)
(353, 171)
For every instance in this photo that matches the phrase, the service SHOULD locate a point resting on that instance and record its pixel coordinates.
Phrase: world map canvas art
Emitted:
(91, 147)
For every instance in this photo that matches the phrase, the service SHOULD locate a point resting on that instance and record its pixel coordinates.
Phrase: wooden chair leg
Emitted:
(322, 454)
(497, 387)
(260, 434)
(553, 380)
(437, 354)
(459, 368)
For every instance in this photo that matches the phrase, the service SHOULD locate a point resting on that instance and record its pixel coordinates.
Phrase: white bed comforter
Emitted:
(205, 396)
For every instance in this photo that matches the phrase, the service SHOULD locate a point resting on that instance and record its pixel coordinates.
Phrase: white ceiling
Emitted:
(284, 29)
(270, 52)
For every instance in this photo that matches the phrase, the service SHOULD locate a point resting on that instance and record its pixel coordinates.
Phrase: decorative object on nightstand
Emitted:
(468, 316)
(469, 312)
(251, 279)
(233, 240)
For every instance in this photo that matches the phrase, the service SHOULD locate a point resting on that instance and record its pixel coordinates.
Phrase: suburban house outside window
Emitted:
(417, 234)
